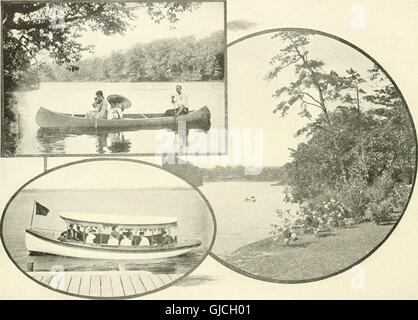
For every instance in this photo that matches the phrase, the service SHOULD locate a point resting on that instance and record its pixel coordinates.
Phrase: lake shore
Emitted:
(241, 222)
(310, 256)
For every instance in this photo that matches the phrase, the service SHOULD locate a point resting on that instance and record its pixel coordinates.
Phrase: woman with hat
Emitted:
(100, 107)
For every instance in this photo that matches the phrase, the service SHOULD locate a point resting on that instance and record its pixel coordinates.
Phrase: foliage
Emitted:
(360, 148)
(312, 217)
(228, 173)
(386, 197)
(160, 60)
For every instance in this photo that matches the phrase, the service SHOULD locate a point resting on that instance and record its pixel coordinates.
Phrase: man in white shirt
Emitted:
(181, 101)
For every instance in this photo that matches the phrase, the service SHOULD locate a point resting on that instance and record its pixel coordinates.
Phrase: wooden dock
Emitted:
(105, 284)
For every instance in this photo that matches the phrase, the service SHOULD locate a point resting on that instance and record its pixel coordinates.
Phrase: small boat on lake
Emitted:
(250, 199)
(197, 119)
(105, 236)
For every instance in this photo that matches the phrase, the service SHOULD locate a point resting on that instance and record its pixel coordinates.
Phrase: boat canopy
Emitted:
(127, 221)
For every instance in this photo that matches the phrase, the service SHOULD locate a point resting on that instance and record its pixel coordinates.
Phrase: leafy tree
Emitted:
(313, 87)
(366, 137)
(353, 82)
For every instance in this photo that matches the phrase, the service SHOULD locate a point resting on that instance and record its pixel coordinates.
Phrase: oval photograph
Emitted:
(107, 228)
(336, 166)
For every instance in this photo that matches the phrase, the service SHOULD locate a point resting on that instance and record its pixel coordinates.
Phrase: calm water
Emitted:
(194, 222)
(77, 97)
(239, 222)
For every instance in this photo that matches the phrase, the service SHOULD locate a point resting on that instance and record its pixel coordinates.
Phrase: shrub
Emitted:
(380, 211)
(311, 217)
(385, 203)
(353, 197)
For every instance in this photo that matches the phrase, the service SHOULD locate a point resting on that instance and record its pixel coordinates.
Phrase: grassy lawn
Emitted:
(310, 256)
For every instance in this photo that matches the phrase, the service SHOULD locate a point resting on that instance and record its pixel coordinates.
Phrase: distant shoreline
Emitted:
(148, 81)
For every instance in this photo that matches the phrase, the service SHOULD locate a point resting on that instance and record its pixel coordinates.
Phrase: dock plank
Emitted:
(117, 289)
(68, 279)
(165, 279)
(146, 281)
(46, 279)
(104, 283)
(157, 281)
(138, 285)
(37, 277)
(106, 286)
(85, 285)
(173, 276)
(74, 286)
(58, 281)
(95, 285)
(128, 287)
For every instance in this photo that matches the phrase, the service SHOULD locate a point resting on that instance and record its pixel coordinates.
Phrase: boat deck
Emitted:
(105, 284)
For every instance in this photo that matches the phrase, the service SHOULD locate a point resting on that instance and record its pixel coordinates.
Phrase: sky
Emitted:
(250, 101)
(108, 175)
(208, 18)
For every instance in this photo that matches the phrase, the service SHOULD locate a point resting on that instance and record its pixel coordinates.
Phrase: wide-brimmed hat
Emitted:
(123, 102)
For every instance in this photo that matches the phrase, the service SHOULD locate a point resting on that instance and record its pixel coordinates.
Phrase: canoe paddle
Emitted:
(175, 123)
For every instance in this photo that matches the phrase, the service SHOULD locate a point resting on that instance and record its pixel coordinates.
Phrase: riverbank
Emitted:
(310, 256)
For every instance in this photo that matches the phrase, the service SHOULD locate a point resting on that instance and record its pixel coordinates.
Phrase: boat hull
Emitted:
(37, 243)
(199, 119)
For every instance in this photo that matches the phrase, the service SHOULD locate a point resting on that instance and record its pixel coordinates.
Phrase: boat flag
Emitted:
(40, 209)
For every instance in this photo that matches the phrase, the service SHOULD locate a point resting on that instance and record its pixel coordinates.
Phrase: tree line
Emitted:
(172, 59)
(238, 173)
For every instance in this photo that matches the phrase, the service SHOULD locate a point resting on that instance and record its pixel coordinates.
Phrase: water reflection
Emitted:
(54, 140)
(114, 142)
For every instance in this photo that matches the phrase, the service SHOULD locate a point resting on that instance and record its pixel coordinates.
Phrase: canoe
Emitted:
(38, 243)
(198, 119)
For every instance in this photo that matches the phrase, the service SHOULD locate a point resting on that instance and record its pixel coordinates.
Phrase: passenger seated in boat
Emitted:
(113, 241)
(79, 234)
(71, 235)
(90, 237)
(115, 112)
(144, 241)
(63, 237)
(157, 239)
(100, 107)
(115, 232)
(126, 239)
(166, 238)
(105, 234)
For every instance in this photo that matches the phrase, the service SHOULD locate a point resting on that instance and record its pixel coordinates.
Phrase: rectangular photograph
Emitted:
(134, 78)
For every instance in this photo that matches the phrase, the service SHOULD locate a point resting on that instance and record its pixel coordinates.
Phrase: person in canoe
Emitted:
(180, 102)
(118, 104)
(115, 112)
(100, 107)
